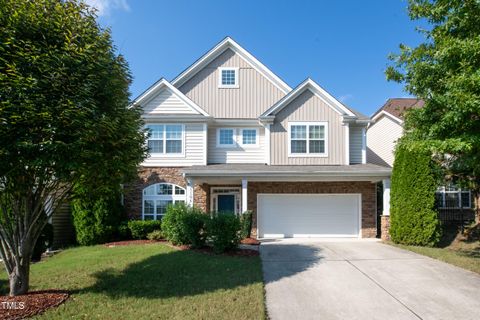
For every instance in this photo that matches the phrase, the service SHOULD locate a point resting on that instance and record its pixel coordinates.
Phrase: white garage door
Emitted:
(308, 215)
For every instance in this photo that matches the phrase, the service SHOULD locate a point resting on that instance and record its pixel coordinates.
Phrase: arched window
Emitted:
(157, 197)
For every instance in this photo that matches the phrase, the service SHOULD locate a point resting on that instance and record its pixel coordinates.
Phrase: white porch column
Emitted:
(244, 194)
(190, 184)
(386, 197)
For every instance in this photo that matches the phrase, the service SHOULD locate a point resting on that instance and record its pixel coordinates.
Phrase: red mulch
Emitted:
(131, 242)
(250, 241)
(30, 304)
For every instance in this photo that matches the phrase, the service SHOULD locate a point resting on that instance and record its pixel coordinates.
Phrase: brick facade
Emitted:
(366, 189)
(385, 227)
(148, 176)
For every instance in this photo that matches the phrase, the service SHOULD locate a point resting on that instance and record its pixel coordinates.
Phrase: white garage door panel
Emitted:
(308, 215)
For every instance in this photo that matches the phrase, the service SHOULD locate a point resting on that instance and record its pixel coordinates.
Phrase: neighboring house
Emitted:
(228, 135)
(383, 132)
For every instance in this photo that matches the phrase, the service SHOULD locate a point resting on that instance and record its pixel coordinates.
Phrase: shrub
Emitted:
(223, 231)
(43, 242)
(413, 219)
(123, 231)
(183, 225)
(155, 235)
(246, 220)
(96, 218)
(140, 228)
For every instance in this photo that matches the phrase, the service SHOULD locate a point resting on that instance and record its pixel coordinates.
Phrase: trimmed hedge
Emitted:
(223, 231)
(413, 219)
(140, 229)
(246, 220)
(183, 225)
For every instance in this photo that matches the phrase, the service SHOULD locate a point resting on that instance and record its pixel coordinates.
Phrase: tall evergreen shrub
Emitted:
(413, 219)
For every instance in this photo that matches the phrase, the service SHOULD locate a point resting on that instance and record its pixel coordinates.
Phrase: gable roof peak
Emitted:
(316, 89)
(218, 49)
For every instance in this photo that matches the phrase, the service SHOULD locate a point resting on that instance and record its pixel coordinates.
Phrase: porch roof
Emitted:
(265, 172)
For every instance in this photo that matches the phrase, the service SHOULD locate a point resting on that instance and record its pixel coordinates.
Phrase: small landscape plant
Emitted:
(140, 229)
(224, 232)
(184, 225)
(246, 220)
(155, 235)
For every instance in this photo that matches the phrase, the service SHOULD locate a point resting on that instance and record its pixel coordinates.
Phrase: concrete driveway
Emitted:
(363, 279)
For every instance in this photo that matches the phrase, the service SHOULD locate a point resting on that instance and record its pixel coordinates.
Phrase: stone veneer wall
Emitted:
(151, 175)
(366, 189)
(385, 223)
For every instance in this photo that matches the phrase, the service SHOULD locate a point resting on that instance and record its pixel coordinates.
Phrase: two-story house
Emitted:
(228, 135)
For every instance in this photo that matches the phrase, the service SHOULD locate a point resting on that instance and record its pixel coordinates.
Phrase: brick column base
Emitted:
(385, 226)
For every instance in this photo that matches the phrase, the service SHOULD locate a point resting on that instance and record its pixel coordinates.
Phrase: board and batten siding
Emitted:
(355, 144)
(381, 139)
(309, 108)
(194, 149)
(254, 95)
(165, 102)
(237, 153)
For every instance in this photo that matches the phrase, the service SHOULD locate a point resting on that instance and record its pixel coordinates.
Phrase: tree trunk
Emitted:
(20, 278)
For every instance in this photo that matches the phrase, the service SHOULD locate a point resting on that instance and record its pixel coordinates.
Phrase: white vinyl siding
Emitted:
(194, 150)
(307, 107)
(355, 145)
(381, 139)
(254, 95)
(237, 153)
(165, 102)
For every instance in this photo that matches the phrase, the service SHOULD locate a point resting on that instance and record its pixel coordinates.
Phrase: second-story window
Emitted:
(249, 136)
(165, 139)
(308, 138)
(225, 137)
(228, 78)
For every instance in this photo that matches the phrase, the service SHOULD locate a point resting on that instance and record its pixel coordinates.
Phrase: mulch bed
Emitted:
(131, 242)
(207, 250)
(30, 304)
(250, 241)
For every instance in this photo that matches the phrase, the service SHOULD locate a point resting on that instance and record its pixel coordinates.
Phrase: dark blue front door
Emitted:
(226, 203)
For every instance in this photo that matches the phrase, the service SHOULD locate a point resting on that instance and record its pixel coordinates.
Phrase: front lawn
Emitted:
(150, 281)
(461, 254)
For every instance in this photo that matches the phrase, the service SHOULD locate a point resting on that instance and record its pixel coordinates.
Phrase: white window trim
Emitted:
(240, 138)
(231, 86)
(307, 155)
(234, 138)
(165, 154)
(173, 197)
(443, 192)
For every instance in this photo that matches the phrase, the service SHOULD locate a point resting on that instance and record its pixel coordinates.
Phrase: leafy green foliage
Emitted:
(96, 219)
(183, 225)
(445, 72)
(246, 220)
(413, 219)
(141, 229)
(155, 235)
(223, 231)
(64, 118)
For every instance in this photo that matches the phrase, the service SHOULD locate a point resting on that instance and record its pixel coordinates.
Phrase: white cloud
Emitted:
(105, 7)
(345, 97)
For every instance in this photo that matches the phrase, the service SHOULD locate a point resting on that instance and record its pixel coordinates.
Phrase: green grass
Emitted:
(461, 254)
(150, 282)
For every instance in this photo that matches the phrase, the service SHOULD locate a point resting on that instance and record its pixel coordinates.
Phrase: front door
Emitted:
(226, 203)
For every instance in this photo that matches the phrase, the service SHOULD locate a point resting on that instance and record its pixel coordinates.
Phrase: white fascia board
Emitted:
(309, 84)
(236, 122)
(163, 83)
(174, 118)
(388, 114)
(229, 43)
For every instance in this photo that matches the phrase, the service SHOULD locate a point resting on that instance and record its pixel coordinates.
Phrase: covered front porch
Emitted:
(335, 200)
